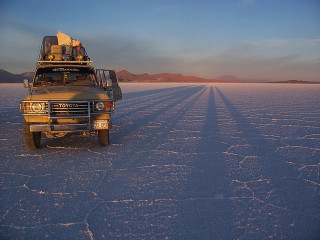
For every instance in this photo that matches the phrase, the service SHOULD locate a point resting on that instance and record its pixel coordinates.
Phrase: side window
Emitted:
(104, 75)
(113, 76)
(103, 78)
(100, 79)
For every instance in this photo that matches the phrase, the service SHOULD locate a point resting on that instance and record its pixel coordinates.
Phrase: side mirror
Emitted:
(109, 82)
(26, 83)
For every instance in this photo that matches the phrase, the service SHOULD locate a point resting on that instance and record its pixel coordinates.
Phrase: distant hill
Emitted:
(7, 77)
(297, 82)
(229, 78)
(125, 76)
(232, 78)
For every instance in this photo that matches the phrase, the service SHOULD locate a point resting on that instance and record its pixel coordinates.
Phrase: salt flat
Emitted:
(186, 161)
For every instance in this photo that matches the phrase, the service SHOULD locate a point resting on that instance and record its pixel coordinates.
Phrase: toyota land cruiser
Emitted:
(68, 96)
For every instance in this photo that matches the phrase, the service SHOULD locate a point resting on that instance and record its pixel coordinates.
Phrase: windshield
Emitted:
(65, 76)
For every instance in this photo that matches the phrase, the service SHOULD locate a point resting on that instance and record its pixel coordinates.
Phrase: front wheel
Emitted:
(31, 139)
(103, 136)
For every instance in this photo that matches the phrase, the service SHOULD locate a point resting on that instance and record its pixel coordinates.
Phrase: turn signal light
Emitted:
(26, 106)
(108, 106)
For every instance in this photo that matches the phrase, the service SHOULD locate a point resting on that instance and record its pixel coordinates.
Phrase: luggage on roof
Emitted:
(56, 51)
(75, 43)
(64, 39)
(47, 42)
(62, 47)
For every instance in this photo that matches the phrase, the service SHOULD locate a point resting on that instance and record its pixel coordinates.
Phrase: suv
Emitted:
(68, 96)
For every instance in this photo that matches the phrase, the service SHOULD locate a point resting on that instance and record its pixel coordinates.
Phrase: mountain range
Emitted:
(125, 76)
(7, 77)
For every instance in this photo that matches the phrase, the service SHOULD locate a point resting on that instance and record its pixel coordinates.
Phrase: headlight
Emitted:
(36, 107)
(100, 106)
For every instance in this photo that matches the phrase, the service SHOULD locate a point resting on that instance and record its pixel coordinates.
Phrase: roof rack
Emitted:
(72, 62)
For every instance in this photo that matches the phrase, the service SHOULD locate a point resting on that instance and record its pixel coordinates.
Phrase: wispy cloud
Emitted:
(273, 59)
(305, 49)
(6, 23)
(126, 52)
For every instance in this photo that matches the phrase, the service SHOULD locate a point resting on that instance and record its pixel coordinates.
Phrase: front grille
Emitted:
(69, 108)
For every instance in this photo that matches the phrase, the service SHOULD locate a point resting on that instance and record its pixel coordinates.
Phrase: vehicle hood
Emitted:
(66, 93)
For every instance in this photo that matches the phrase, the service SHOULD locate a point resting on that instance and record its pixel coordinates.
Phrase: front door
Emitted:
(114, 90)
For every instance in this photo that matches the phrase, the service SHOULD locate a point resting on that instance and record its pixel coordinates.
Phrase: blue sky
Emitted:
(251, 39)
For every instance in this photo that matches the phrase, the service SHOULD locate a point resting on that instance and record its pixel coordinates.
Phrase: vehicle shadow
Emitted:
(159, 174)
(147, 93)
(147, 110)
(207, 211)
(134, 103)
(173, 177)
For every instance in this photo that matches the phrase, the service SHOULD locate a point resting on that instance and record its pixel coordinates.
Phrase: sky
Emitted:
(249, 39)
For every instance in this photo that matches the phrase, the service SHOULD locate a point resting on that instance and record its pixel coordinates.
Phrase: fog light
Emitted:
(51, 57)
(80, 57)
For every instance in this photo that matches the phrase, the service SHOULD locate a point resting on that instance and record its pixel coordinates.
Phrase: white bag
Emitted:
(64, 39)
(75, 43)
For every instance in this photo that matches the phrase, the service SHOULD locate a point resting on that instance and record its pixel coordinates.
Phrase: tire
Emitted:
(31, 139)
(103, 136)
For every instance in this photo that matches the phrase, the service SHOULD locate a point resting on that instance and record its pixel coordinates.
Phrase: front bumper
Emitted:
(79, 127)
